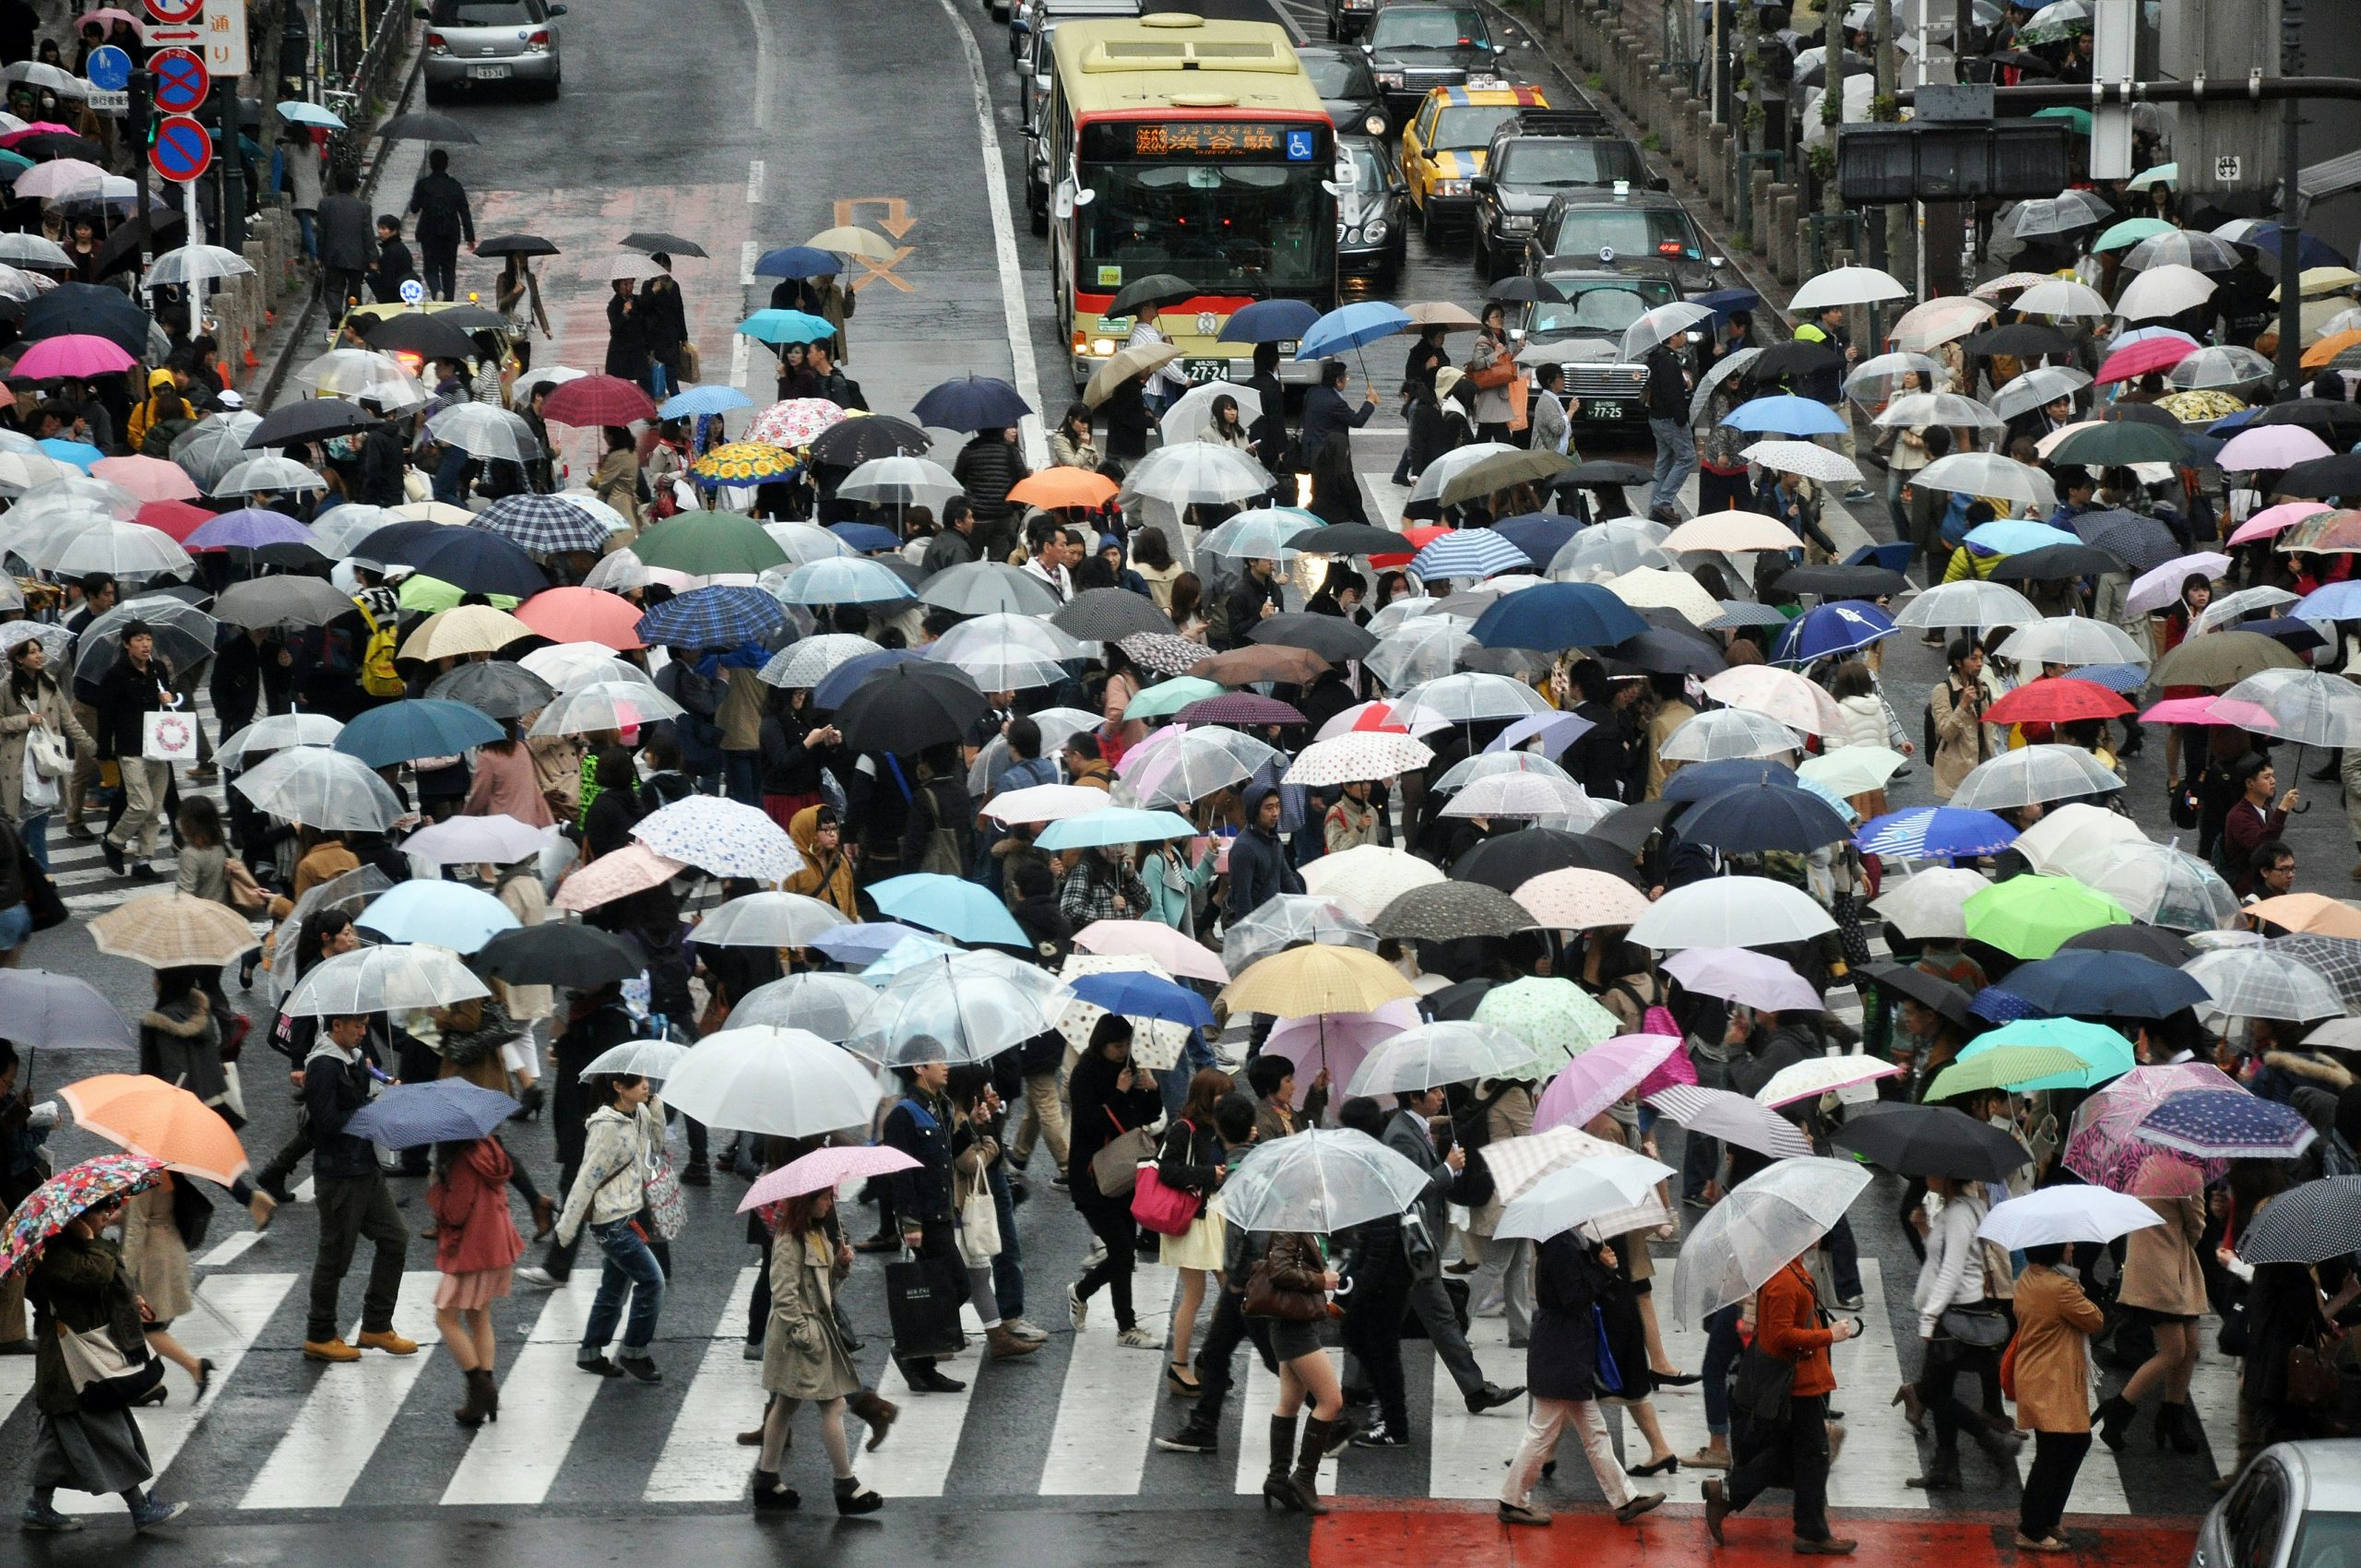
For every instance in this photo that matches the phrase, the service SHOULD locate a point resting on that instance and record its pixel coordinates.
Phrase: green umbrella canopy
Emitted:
(2031, 917)
(1169, 697)
(709, 544)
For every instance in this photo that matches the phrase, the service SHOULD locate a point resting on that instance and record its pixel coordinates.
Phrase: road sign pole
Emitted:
(135, 121)
(2291, 260)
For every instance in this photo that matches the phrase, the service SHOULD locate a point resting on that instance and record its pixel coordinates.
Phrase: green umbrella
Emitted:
(2005, 1068)
(2108, 1053)
(706, 544)
(2162, 174)
(1555, 1017)
(2077, 119)
(2121, 444)
(2031, 917)
(1168, 697)
(432, 595)
(2131, 231)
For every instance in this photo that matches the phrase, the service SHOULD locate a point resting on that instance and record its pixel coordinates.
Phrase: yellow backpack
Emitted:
(378, 677)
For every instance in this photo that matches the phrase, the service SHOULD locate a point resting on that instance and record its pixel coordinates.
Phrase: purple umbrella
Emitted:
(1736, 974)
(1599, 1077)
(1239, 707)
(2227, 1125)
(248, 527)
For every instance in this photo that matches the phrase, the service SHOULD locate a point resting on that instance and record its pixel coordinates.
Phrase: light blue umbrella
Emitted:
(448, 914)
(2109, 1054)
(1116, 825)
(447, 1110)
(842, 579)
(422, 727)
(786, 327)
(1468, 552)
(951, 904)
(81, 454)
(2336, 601)
(692, 401)
(2014, 536)
(1349, 327)
(297, 112)
(915, 948)
(863, 942)
(1785, 414)
(1260, 534)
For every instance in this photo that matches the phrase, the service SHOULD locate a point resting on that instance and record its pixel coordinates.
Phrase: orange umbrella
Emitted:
(2313, 912)
(160, 1119)
(2318, 356)
(583, 616)
(1054, 488)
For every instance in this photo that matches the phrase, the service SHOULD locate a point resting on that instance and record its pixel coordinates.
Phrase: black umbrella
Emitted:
(310, 418)
(472, 318)
(60, 144)
(475, 561)
(2149, 941)
(289, 553)
(848, 444)
(1509, 860)
(2322, 477)
(577, 956)
(2141, 543)
(516, 245)
(1330, 636)
(502, 689)
(2025, 60)
(655, 242)
(1930, 990)
(1665, 652)
(1794, 357)
(1603, 470)
(1351, 539)
(905, 708)
(2056, 563)
(1628, 827)
(1520, 289)
(2318, 1220)
(1931, 1140)
(2339, 420)
(2021, 339)
(86, 308)
(389, 546)
(1156, 289)
(971, 402)
(1457, 1003)
(424, 125)
(422, 333)
(1754, 818)
(1446, 911)
(1841, 582)
(157, 231)
(1110, 614)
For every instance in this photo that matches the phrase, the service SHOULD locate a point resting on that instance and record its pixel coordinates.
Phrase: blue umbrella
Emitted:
(958, 908)
(2015, 536)
(1753, 818)
(787, 326)
(2336, 601)
(295, 112)
(1893, 557)
(1932, 833)
(863, 942)
(972, 402)
(866, 538)
(2082, 983)
(1539, 534)
(1845, 626)
(1116, 825)
(448, 914)
(447, 1110)
(1701, 781)
(721, 616)
(2109, 1054)
(249, 528)
(853, 673)
(797, 261)
(915, 948)
(842, 579)
(1550, 616)
(2225, 1124)
(1138, 994)
(1467, 553)
(2297, 634)
(477, 561)
(2121, 679)
(403, 731)
(1998, 1006)
(1784, 414)
(692, 401)
(81, 454)
(1724, 300)
(1349, 327)
(1268, 321)
(2310, 249)
(2230, 425)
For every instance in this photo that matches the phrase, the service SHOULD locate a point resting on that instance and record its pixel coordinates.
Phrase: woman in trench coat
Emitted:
(804, 1355)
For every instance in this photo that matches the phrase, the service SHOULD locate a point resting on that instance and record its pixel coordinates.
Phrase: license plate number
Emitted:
(1199, 371)
(488, 72)
(1595, 410)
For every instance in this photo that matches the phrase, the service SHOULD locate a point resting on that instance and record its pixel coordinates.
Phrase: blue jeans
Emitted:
(1676, 460)
(1722, 1349)
(628, 1265)
(34, 831)
(311, 237)
(741, 776)
(1008, 1265)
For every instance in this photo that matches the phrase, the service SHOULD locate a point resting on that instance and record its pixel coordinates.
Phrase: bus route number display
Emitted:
(1145, 140)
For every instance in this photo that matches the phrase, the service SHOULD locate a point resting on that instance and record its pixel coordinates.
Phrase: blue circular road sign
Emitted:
(108, 68)
(183, 148)
(182, 80)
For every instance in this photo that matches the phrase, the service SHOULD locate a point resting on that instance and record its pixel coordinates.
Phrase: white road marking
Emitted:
(766, 59)
(544, 1398)
(748, 251)
(349, 1410)
(1254, 1429)
(1108, 1410)
(1467, 1456)
(755, 183)
(916, 1462)
(702, 1461)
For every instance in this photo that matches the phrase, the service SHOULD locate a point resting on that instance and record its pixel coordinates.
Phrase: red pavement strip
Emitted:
(1389, 1534)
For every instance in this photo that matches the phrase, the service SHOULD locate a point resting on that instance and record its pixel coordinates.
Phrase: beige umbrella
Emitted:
(1578, 898)
(434, 512)
(1125, 363)
(171, 931)
(846, 240)
(1921, 327)
(1442, 314)
(1302, 981)
(1653, 587)
(1730, 532)
(465, 629)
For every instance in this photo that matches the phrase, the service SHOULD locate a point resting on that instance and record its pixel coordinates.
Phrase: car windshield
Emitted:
(2327, 1541)
(1627, 231)
(1472, 124)
(1597, 306)
(1399, 28)
(485, 13)
(1358, 165)
(1334, 78)
(1222, 225)
(1569, 162)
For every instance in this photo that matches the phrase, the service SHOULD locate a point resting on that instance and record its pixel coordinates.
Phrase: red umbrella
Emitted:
(2059, 700)
(597, 399)
(1418, 538)
(2148, 354)
(177, 518)
(583, 616)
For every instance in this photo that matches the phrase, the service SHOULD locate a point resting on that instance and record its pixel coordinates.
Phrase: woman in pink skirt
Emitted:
(476, 1245)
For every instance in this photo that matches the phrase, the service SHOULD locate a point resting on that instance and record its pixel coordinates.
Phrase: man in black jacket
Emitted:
(1259, 871)
(1266, 437)
(440, 203)
(353, 1199)
(954, 543)
(393, 266)
(1668, 403)
(346, 249)
(1252, 598)
(988, 469)
(135, 686)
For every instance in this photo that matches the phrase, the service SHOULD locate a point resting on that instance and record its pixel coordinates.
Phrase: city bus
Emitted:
(1192, 145)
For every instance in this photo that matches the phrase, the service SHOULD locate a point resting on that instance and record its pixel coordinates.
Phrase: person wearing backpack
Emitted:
(939, 835)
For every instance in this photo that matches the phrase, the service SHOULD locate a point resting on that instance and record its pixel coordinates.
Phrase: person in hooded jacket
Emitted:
(1259, 867)
(828, 865)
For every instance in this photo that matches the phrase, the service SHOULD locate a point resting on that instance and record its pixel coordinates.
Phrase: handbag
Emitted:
(1983, 1328)
(2311, 1380)
(168, 736)
(105, 1376)
(1604, 1370)
(923, 1297)
(1116, 1167)
(978, 1227)
(39, 788)
(1418, 1247)
(1498, 374)
(1761, 1394)
(691, 362)
(48, 752)
(246, 893)
(666, 1210)
(1161, 1206)
(42, 899)
(1265, 1298)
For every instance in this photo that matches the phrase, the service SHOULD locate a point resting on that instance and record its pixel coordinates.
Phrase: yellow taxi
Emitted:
(1444, 143)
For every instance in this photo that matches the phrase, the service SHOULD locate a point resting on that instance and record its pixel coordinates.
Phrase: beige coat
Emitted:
(1511, 1117)
(803, 1355)
(2054, 1322)
(1960, 742)
(154, 1253)
(16, 717)
(526, 900)
(2160, 1270)
(1668, 718)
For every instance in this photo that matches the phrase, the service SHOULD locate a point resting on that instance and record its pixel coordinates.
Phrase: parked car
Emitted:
(472, 43)
(1372, 211)
(1534, 157)
(2298, 1506)
(1580, 228)
(1412, 49)
(1346, 90)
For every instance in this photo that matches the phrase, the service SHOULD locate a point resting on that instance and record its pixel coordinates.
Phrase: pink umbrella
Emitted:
(1599, 1077)
(2139, 359)
(2274, 520)
(1153, 939)
(1337, 1041)
(106, 14)
(76, 354)
(2270, 447)
(823, 1168)
(2104, 1145)
(2208, 710)
(632, 869)
(38, 128)
(61, 177)
(1736, 974)
(793, 422)
(150, 478)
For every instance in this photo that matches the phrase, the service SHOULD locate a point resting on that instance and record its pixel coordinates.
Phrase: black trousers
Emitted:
(441, 259)
(352, 1207)
(2056, 1455)
(1946, 1359)
(1111, 1220)
(1794, 1457)
(1373, 1331)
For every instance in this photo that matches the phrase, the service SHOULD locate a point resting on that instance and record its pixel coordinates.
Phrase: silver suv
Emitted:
(472, 43)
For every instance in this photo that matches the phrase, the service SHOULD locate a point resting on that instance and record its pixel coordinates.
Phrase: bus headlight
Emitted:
(1102, 347)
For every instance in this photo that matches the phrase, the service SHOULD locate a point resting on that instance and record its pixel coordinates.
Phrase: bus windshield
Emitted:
(1225, 227)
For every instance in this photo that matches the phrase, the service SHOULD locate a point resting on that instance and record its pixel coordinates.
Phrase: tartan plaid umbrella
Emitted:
(596, 400)
(543, 525)
(721, 616)
(56, 1202)
(2338, 959)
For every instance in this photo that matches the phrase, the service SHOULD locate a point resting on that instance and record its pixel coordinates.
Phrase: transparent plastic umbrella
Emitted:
(805, 542)
(1495, 764)
(1764, 1222)
(2074, 639)
(2033, 775)
(767, 920)
(483, 430)
(2036, 387)
(183, 634)
(1198, 473)
(933, 1011)
(570, 667)
(1420, 649)
(2255, 982)
(830, 1006)
(786, 1082)
(1196, 763)
(321, 789)
(1007, 653)
(810, 660)
(1258, 535)
(1609, 550)
(364, 373)
(268, 472)
(338, 528)
(1469, 697)
(1725, 734)
(2161, 886)
(604, 705)
(1947, 408)
(1519, 795)
(2305, 706)
(1444, 468)
(1988, 473)
(1433, 1054)
(1288, 920)
(277, 732)
(391, 978)
(1321, 1181)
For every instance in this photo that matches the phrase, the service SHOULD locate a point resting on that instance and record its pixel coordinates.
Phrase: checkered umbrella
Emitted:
(2227, 1125)
(2316, 1221)
(543, 525)
(2141, 543)
(2259, 982)
(2337, 959)
(721, 616)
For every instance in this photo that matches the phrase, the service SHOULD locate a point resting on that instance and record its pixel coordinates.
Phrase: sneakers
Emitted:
(697, 1174)
(389, 1342)
(1860, 492)
(640, 1368)
(154, 1511)
(1382, 1437)
(1030, 1331)
(536, 1278)
(47, 1520)
(1195, 1437)
(1138, 1338)
(599, 1366)
(330, 1350)
(1076, 1308)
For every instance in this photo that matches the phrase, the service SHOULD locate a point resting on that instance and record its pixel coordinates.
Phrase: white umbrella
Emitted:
(1846, 285)
(1817, 1076)
(830, 1006)
(1610, 549)
(2257, 982)
(1443, 470)
(1852, 770)
(1046, 803)
(2072, 639)
(2305, 706)
(1969, 603)
(1357, 756)
(808, 661)
(899, 480)
(1764, 1223)
(1730, 911)
(2031, 775)
(1731, 531)
(267, 472)
(1580, 1194)
(1987, 473)
(1365, 878)
(321, 789)
(1794, 701)
(1802, 458)
(1928, 904)
(1007, 653)
(1947, 408)
(2160, 585)
(786, 1082)
(1321, 1181)
(2072, 836)
(1657, 326)
(391, 978)
(654, 1059)
(767, 920)
(603, 705)
(1198, 473)
(1723, 733)
(122, 549)
(1194, 409)
(1519, 795)
(2056, 1215)
(462, 840)
(2036, 389)
(1433, 1054)
(1655, 587)
(2058, 296)
(2162, 292)
(1938, 321)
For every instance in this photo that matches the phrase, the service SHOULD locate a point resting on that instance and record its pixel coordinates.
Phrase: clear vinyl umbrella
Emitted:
(483, 430)
(1007, 653)
(767, 920)
(2033, 775)
(1609, 550)
(1519, 795)
(321, 789)
(1470, 698)
(1195, 763)
(122, 549)
(899, 480)
(1431, 1055)
(2256, 983)
(1321, 1181)
(786, 1082)
(1725, 734)
(1493, 765)
(214, 445)
(183, 634)
(1764, 1222)
(830, 1006)
(193, 265)
(1982, 605)
(604, 705)
(2074, 639)
(268, 472)
(570, 667)
(1420, 649)
(357, 374)
(1287, 919)
(1949, 409)
(277, 732)
(2037, 387)
(2161, 886)
(937, 1011)
(391, 978)
(2305, 706)
(1198, 473)
(338, 528)
(1988, 473)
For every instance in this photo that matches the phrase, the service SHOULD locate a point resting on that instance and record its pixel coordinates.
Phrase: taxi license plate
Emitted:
(1200, 370)
(488, 72)
(1594, 409)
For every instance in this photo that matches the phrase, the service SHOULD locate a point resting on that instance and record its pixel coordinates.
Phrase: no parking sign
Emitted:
(184, 148)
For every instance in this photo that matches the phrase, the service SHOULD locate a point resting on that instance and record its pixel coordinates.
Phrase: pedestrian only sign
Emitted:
(108, 71)
(184, 149)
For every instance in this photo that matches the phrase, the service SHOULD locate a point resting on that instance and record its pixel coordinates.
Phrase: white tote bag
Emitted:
(41, 790)
(168, 736)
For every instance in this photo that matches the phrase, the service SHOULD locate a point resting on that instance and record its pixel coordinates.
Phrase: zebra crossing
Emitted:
(77, 867)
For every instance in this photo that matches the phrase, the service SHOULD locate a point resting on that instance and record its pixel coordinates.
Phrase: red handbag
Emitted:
(1160, 1208)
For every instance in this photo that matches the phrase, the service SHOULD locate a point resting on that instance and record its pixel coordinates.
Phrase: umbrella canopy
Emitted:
(910, 706)
(145, 1115)
(1586, 1194)
(1153, 940)
(1445, 911)
(722, 836)
(1578, 898)
(447, 1110)
(486, 841)
(1933, 1140)
(555, 954)
(1004, 652)
(1555, 615)
(1555, 1017)
(1736, 974)
(1303, 980)
(382, 979)
(1730, 912)
(448, 914)
(1758, 817)
(56, 1203)
(2056, 1215)
(1730, 734)
(1116, 615)
(2038, 774)
(2108, 1053)
(399, 732)
(2227, 1125)
(949, 1007)
(2030, 917)
(1597, 1078)
(2312, 1223)
(171, 931)
(1431, 1055)
(321, 789)
(1367, 877)
(1817, 1076)
(958, 908)
(2255, 982)
(1764, 1222)
(1320, 1181)
(2082, 983)
(602, 705)
(1928, 904)
(988, 588)
(1731, 1117)
(786, 1082)
(1288, 921)
(830, 1006)
(59, 1011)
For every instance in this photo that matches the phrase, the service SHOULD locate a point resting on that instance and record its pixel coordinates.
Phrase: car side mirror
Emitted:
(1398, 191)
(1481, 185)
(557, 10)
(1714, 262)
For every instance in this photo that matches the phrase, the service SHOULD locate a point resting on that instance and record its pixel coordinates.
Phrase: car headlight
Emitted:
(1511, 223)
(1388, 78)
(1374, 231)
(1348, 237)
(1451, 187)
(1374, 125)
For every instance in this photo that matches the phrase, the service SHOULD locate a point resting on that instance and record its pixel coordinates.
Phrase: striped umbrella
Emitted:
(1468, 552)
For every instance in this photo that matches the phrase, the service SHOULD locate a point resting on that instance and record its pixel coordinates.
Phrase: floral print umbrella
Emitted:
(795, 422)
(54, 1204)
(745, 462)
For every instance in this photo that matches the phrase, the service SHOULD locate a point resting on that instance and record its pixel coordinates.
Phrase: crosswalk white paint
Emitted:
(1107, 1409)
(1262, 1397)
(544, 1398)
(702, 1461)
(348, 1413)
(1467, 1454)
(917, 1461)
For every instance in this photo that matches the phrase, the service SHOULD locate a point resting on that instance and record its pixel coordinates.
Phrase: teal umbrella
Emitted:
(2109, 1054)
(2077, 119)
(2131, 231)
(1169, 697)
(1116, 825)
